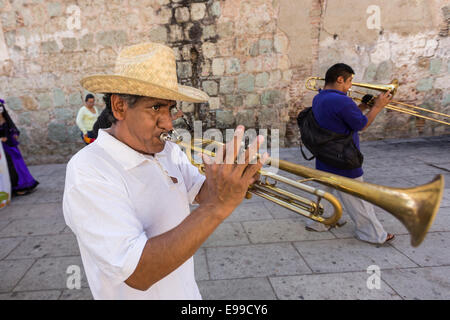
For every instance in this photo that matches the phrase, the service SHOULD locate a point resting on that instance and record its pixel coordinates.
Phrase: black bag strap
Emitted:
(304, 155)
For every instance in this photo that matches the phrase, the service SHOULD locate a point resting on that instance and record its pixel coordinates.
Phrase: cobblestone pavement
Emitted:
(261, 251)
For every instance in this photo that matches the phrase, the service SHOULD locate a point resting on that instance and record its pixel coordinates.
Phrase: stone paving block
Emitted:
(394, 182)
(45, 170)
(441, 221)
(55, 177)
(249, 211)
(375, 143)
(379, 156)
(420, 283)
(227, 234)
(350, 255)
(417, 180)
(254, 261)
(241, 289)
(3, 224)
(77, 294)
(33, 227)
(432, 157)
(390, 223)
(50, 273)
(46, 246)
(377, 159)
(445, 202)
(42, 194)
(433, 251)
(8, 244)
(281, 230)
(200, 265)
(334, 286)
(346, 231)
(25, 211)
(405, 171)
(12, 271)
(32, 295)
(445, 165)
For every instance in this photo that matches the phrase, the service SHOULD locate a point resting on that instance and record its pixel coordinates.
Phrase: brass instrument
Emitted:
(415, 207)
(394, 105)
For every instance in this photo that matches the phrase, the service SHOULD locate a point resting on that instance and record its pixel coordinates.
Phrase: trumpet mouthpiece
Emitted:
(172, 136)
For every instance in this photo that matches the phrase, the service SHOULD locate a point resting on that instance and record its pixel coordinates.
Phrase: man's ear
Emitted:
(340, 80)
(118, 107)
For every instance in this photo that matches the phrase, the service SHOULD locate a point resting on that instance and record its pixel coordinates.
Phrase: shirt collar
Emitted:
(122, 153)
(331, 90)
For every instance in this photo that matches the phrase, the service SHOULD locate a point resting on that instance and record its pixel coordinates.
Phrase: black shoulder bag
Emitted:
(335, 149)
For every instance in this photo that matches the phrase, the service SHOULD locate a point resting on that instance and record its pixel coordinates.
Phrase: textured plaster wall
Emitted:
(251, 56)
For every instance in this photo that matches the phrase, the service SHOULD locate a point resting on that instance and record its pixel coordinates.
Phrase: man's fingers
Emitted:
(207, 159)
(252, 169)
(220, 154)
(250, 154)
(233, 147)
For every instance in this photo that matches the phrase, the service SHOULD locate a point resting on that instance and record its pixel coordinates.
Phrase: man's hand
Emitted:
(229, 175)
(382, 100)
(4, 139)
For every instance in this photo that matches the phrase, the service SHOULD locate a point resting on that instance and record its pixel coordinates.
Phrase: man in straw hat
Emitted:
(127, 195)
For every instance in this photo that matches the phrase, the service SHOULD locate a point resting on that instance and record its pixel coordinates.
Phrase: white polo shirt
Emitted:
(116, 198)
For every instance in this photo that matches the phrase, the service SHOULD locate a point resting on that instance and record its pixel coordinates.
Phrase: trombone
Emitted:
(415, 207)
(397, 106)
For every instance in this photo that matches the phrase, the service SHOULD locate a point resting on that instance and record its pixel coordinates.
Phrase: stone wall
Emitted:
(251, 56)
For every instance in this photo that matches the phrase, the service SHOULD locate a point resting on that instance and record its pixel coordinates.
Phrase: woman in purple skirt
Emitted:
(22, 182)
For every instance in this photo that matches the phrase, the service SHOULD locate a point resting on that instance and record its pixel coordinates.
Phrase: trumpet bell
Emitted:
(419, 218)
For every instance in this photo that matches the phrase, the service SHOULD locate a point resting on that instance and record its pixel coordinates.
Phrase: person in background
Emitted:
(335, 111)
(86, 117)
(22, 182)
(104, 120)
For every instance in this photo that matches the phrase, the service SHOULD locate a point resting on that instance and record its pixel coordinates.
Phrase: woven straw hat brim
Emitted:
(126, 85)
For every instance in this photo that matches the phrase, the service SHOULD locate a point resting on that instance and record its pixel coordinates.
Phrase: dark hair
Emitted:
(336, 71)
(89, 96)
(130, 99)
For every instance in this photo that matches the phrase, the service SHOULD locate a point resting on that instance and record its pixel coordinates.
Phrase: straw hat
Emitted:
(146, 69)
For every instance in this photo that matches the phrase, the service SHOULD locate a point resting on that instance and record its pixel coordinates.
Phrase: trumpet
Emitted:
(414, 207)
(394, 105)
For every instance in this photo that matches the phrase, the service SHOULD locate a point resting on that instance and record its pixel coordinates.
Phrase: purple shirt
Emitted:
(337, 112)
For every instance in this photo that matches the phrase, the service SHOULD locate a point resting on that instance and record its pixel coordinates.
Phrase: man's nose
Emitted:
(165, 121)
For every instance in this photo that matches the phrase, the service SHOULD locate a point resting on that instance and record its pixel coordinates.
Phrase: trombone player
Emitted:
(335, 111)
